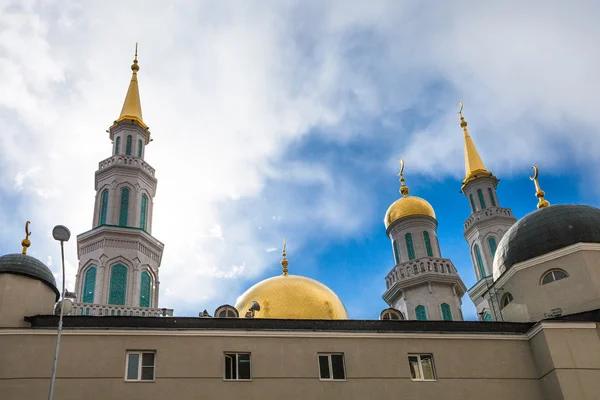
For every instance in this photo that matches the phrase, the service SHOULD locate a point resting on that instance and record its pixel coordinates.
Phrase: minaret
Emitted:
(119, 259)
(485, 227)
(422, 284)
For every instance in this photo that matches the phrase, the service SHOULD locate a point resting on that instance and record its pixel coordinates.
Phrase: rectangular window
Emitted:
(140, 366)
(421, 367)
(237, 366)
(331, 367)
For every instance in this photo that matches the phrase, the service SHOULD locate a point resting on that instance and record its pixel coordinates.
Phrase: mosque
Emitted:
(537, 297)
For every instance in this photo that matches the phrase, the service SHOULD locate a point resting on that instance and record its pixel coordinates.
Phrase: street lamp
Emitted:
(62, 234)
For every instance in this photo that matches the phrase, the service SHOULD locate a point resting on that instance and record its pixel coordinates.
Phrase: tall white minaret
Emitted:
(119, 259)
(484, 228)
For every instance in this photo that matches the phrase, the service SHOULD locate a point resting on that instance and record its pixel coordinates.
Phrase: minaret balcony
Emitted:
(109, 310)
(488, 213)
(121, 160)
(430, 266)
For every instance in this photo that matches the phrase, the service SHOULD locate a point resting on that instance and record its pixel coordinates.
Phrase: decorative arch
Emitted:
(143, 211)
(118, 284)
(481, 199)
(492, 245)
(226, 311)
(140, 148)
(409, 246)
(492, 200)
(421, 313)
(124, 207)
(89, 285)
(145, 289)
(506, 300)
(479, 261)
(427, 243)
(553, 275)
(103, 207)
(128, 145)
(117, 144)
(391, 314)
(446, 312)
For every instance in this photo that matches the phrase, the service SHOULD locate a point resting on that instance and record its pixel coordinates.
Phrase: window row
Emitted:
(128, 146)
(410, 248)
(141, 365)
(123, 208)
(421, 312)
(481, 199)
(117, 286)
(548, 277)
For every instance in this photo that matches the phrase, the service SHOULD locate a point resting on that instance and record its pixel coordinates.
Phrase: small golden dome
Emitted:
(292, 297)
(407, 206)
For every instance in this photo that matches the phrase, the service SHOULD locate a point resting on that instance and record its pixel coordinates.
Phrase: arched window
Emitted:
(118, 285)
(446, 313)
(143, 212)
(103, 206)
(479, 262)
(421, 313)
(409, 246)
(391, 314)
(128, 145)
(487, 317)
(226, 311)
(140, 148)
(145, 289)
(506, 299)
(118, 145)
(89, 285)
(472, 202)
(427, 243)
(492, 244)
(396, 253)
(492, 200)
(554, 275)
(481, 199)
(124, 211)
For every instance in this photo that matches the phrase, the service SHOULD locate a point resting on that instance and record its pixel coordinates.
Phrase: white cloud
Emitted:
(227, 89)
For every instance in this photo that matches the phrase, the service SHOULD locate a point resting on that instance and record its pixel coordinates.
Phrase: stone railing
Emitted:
(119, 159)
(485, 214)
(409, 269)
(112, 310)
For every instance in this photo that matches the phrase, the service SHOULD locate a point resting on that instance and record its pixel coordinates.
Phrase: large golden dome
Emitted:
(406, 206)
(292, 297)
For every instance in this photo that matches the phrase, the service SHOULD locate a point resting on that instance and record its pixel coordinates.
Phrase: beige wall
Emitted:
(22, 295)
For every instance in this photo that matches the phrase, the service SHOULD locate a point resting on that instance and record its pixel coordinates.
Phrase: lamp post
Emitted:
(62, 234)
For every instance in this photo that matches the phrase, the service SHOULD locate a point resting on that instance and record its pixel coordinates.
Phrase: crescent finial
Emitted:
(401, 161)
(536, 172)
(460, 103)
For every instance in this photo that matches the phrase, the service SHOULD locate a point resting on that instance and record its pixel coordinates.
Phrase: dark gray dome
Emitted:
(22, 264)
(545, 230)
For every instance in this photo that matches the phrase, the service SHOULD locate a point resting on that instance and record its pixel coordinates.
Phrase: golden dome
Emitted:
(406, 206)
(292, 297)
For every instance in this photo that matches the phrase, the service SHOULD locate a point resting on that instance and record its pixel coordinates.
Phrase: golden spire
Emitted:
(403, 187)
(132, 108)
(26, 242)
(539, 193)
(284, 261)
(473, 163)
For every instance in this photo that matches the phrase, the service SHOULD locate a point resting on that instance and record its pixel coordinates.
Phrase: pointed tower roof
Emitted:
(132, 107)
(474, 167)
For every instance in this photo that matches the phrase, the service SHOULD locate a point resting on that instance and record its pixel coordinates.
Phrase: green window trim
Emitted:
(481, 199)
(479, 262)
(145, 289)
(427, 243)
(409, 246)
(446, 313)
(493, 201)
(118, 285)
(128, 145)
(493, 246)
(124, 209)
(139, 147)
(396, 253)
(143, 212)
(103, 207)
(487, 317)
(421, 313)
(472, 202)
(89, 285)
(117, 144)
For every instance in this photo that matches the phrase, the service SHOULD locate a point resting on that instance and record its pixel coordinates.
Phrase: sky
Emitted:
(285, 119)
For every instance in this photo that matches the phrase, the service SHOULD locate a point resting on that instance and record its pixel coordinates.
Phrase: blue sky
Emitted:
(285, 119)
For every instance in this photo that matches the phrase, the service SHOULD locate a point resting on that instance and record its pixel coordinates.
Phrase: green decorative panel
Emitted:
(140, 148)
(128, 146)
(103, 207)
(421, 313)
(143, 212)
(492, 200)
(481, 199)
(396, 253)
(89, 285)
(409, 246)
(492, 243)
(427, 243)
(472, 203)
(118, 145)
(488, 317)
(145, 289)
(479, 262)
(124, 210)
(118, 285)
(446, 313)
